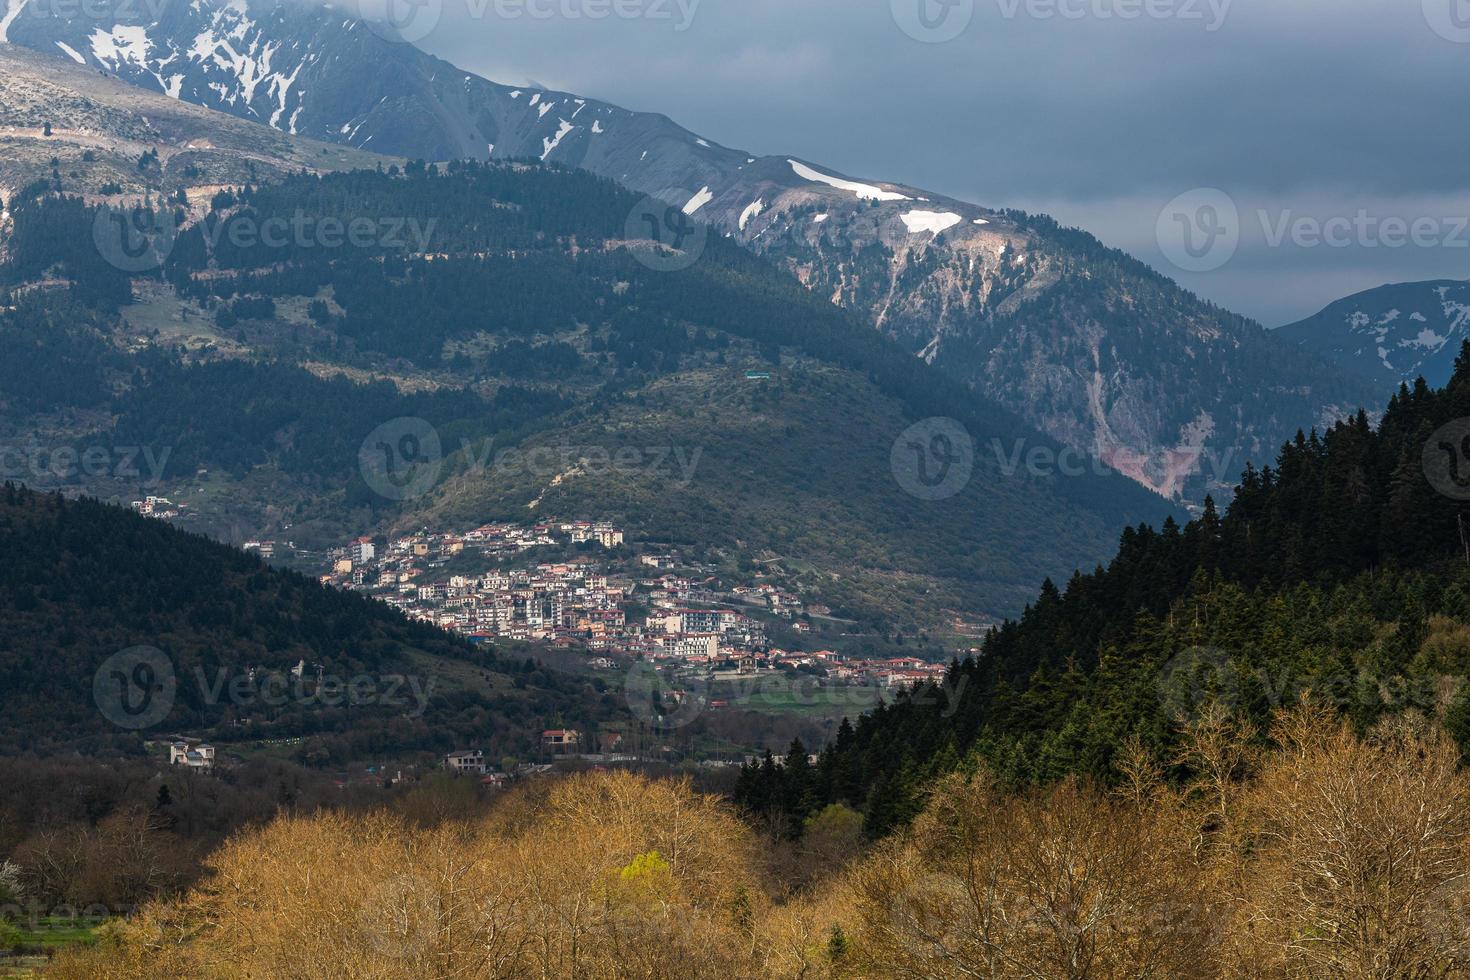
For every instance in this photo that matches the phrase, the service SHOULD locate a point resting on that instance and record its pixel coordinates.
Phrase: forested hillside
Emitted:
(1341, 572)
(1081, 341)
(506, 306)
(117, 626)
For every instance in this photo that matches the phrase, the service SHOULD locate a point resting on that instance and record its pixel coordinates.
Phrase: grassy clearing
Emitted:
(27, 944)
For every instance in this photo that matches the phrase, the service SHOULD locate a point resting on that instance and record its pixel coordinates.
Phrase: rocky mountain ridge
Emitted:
(1092, 347)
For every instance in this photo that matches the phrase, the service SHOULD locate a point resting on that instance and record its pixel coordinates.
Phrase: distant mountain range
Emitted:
(1393, 334)
(1088, 345)
(535, 321)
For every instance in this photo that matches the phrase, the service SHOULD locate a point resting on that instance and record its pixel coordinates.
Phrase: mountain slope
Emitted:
(527, 321)
(1091, 347)
(101, 128)
(1392, 334)
(1338, 575)
(117, 625)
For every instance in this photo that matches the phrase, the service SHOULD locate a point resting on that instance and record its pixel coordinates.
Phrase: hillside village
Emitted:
(715, 642)
(486, 584)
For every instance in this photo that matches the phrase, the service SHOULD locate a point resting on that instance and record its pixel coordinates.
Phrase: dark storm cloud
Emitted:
(1097, 111)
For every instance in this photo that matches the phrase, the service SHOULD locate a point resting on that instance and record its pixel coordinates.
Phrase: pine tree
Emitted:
(798, 789)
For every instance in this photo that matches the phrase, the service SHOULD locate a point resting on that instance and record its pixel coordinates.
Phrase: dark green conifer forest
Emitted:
(1342, 572)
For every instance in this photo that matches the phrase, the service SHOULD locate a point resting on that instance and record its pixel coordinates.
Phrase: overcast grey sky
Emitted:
(1099, 112)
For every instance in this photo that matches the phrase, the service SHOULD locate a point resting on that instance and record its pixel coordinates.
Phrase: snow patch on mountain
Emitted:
(12, 11)
(699, 200)
(314, 70)
(123, 45)
(71, 52)
(931, 221)
(280, 89)
(753, 210)
(1426, 340)
(866, 192)
(562, 131)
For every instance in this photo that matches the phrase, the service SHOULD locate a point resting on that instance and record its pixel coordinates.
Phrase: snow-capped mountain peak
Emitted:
(1394, 333)
(1091, 347)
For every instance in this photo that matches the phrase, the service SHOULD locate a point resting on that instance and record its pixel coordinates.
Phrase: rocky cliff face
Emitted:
(1092, 347)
